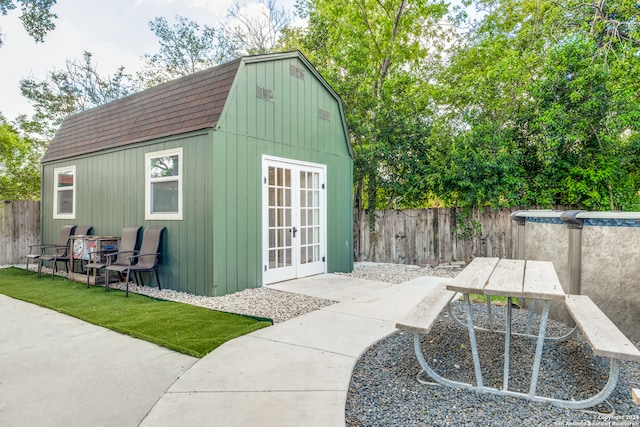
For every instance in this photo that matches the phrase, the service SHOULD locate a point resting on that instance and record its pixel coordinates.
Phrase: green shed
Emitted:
(248, 165)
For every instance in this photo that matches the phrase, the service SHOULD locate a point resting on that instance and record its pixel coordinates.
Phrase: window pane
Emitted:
(65, 202)
(65, 179)
(164, 166)
(164, 197)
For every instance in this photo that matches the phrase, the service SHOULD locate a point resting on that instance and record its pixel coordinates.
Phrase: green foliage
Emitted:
(377, 56)
(466, 226)
(36, 17)
(185, 328)
(539, 107)
(76, 88)
(187, 47)
(19, 168)
(184, 49)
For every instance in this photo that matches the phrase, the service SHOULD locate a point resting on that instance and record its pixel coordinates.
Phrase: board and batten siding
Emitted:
(289, 127)
(110, 188)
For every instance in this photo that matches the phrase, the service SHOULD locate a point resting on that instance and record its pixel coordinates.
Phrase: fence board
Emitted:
(19, 228)
(412, 236)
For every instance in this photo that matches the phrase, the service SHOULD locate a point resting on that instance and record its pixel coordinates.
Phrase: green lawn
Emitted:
(185, 328)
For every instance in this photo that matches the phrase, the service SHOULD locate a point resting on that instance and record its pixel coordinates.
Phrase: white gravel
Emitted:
(400, 273)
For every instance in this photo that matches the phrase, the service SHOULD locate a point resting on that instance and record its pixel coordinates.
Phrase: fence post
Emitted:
(575, 249)
(521, 221)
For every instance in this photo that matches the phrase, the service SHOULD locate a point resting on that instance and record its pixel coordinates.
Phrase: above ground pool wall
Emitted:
(594, 253)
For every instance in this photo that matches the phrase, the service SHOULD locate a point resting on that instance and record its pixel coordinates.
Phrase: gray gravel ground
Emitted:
(384, 390)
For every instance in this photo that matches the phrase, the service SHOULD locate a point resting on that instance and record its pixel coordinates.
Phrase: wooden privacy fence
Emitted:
(415, 236)
(19, 228)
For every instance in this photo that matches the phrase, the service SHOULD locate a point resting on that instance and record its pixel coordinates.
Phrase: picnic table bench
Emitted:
(535, 280)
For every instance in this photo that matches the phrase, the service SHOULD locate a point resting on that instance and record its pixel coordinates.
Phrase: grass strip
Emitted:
(185, 328)
(498, 301)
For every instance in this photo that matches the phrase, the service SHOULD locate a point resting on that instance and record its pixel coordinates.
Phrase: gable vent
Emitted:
(296, 72)
(262, 93)
(324, 114)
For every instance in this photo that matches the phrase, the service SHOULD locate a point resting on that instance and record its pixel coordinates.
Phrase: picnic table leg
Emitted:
(490, 313)
(507, 346)
(538, 358)
(474, 346)
(532, 310)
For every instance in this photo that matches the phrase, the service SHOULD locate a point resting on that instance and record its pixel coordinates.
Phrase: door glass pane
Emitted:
(272, 197)
(272, 176)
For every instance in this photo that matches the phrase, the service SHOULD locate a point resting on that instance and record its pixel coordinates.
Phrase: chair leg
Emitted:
(127, 284)
(39, 267)
(54, 269)
(106, 280)
(26, 271)
(158, 279)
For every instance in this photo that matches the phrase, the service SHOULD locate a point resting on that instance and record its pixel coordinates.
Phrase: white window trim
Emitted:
(147, 186)
(56, 172)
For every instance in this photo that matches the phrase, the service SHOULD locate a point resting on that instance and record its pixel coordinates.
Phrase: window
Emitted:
(163, 189)
(64, 193)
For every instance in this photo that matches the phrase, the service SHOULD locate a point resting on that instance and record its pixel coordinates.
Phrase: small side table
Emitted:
(93, 250)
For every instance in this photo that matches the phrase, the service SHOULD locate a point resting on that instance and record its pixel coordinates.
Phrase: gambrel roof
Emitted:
(187, 104)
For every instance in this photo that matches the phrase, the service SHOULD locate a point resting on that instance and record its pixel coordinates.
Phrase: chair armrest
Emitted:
(40, 247)
(111, 254)
(54, 248)
(132, 257)
(141, 255)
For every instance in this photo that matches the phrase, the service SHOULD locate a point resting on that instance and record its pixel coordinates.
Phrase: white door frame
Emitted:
(292, 230)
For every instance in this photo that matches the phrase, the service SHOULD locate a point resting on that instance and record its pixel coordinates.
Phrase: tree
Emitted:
(76, 88)
(259, 30)
(379, 57)
(36, 17)
(184, 49)
(187, 47)
(554, 83)
(19, 167)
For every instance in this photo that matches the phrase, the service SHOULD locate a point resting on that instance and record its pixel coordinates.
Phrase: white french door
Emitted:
(293, 219)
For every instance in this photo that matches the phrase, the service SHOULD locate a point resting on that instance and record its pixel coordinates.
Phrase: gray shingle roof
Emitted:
(183, 105)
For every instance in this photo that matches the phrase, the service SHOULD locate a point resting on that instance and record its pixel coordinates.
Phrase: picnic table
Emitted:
(532, 280)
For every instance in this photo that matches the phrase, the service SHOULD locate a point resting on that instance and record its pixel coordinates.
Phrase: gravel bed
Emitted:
(384, 390)
(399, 273)
(260, 302)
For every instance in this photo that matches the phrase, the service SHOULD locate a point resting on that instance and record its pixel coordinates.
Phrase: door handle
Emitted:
(294, 231)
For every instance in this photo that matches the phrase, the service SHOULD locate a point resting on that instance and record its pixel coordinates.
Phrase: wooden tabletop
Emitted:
(509, 278)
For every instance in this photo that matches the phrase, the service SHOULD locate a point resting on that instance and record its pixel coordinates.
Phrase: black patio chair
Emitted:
(147, 259)
(101, 259)
(37, 251)
(62, 253)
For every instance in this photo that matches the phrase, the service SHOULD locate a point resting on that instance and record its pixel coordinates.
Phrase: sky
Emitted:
(116, 32)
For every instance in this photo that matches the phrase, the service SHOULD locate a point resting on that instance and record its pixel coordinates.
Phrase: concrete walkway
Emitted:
(56, 370)
(295, 373)
(60, 371)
